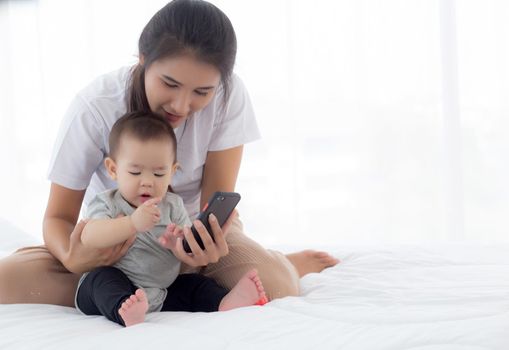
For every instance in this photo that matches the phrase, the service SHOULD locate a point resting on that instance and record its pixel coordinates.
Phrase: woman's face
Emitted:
(176, 87)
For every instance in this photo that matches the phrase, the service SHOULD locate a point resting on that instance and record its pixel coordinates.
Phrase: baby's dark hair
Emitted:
(144, 126)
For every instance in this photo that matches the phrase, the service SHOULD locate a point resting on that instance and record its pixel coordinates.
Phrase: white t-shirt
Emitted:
(82, 141)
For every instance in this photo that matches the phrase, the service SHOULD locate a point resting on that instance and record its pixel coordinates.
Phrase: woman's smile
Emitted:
(172, 118)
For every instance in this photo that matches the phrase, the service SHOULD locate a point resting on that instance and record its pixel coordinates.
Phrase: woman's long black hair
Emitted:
(184, 27)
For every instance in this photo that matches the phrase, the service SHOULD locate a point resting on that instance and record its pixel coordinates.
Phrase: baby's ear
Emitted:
(111, 167)
(174, 168)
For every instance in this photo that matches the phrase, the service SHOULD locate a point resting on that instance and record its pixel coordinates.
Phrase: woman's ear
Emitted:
(111, 167)
(141, 60)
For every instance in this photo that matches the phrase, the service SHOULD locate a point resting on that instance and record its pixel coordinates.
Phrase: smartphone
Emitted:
(221, 204)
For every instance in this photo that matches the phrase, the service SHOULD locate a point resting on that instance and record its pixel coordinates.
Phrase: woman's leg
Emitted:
(278, 275)
(33, 275)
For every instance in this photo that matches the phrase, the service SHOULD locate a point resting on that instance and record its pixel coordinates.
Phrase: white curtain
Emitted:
(382, 121)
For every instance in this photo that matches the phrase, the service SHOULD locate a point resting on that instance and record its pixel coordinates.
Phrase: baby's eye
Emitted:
(135, 173)
(159, 175)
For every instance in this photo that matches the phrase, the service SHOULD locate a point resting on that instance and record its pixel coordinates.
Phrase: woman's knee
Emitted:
(279, 277)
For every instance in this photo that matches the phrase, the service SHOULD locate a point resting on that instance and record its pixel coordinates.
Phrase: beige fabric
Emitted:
(278, 275)
(33, 275)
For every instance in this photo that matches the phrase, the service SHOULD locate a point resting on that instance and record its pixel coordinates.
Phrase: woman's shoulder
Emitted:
(107, 90)
(105, 96)
(108, 83)
(237, 81)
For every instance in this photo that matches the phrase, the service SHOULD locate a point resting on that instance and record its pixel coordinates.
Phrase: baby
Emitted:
(142, 160)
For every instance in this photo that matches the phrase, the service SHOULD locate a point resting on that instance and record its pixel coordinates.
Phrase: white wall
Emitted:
(382, 120)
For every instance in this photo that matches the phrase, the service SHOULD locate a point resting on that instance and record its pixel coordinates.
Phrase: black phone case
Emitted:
(221, 204)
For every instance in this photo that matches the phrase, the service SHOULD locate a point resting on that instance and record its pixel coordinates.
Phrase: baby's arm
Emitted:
(103, 233)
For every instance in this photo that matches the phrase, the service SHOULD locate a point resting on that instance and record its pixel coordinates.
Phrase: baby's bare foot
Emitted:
(308, 261)
(248, 291)
(134, 308)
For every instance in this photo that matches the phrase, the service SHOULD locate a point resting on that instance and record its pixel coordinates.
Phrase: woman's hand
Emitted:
(81, 258)
(214, 249)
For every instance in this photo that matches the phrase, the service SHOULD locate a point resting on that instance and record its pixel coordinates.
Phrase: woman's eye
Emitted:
(135, 173)
(201, 93)
(159, 175)
(170, 85)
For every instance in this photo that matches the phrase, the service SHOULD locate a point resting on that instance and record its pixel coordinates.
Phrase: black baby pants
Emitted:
(104, 290)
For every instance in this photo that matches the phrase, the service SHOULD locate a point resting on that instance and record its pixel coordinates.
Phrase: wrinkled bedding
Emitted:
(419, 297)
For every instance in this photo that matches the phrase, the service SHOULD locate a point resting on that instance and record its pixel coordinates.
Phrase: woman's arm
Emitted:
(220, 172)
(62, 212)
(63, 238)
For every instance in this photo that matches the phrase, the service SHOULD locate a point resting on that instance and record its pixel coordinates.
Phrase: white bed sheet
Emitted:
(428, 297)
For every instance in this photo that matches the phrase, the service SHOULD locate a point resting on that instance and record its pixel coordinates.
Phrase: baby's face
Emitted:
(143, 169)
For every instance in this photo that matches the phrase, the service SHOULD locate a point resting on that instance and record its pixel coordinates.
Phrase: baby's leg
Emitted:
(134, 308)
(195, 293)
(248, 291)
(104, 291)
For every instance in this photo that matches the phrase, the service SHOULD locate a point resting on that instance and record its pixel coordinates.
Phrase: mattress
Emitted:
(419, 297)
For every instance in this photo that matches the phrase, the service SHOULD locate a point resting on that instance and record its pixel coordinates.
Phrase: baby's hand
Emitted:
(169, 239)
(146, 215)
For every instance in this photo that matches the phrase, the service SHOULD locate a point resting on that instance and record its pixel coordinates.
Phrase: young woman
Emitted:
(186, 58)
